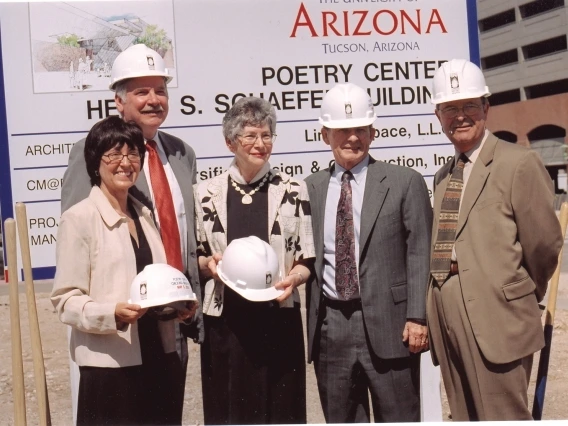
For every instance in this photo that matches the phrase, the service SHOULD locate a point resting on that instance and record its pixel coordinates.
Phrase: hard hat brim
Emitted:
(265, 295)
(254, 295)
(168, 77)
(460, 96)
(347, 124)
(149, 303)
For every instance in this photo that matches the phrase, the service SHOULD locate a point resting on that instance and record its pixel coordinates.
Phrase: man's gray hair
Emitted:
(251, 111)
(120, 89)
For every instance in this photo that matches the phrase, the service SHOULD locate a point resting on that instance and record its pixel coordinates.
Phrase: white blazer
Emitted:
(95, 267)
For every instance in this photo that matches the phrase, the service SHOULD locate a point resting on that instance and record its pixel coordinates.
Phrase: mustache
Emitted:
(453, 128)
(152, 109)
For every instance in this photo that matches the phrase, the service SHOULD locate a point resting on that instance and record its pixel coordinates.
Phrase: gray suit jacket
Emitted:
(76, 187)
(394, 254)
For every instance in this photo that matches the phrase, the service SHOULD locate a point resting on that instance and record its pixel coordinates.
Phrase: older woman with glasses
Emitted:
(126, 358)
(252, 361)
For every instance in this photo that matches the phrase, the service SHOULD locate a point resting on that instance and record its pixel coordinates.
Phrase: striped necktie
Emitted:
(448, 223)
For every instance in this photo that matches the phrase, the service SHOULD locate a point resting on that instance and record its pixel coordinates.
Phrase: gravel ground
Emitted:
(54, 344)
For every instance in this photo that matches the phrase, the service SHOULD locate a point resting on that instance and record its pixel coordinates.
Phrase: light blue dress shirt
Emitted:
(333, 192)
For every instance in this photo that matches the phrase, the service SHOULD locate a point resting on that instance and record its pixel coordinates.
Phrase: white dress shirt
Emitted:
(333, 192)
(177, 197)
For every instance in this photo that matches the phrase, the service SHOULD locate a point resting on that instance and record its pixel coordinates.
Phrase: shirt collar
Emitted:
(359, 171)
(159, 146)
(107, 212)
(473, 153)
(109, 215)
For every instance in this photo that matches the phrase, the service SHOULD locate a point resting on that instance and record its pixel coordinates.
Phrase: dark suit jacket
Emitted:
(394, 254)
(77, 185)
(507, 244)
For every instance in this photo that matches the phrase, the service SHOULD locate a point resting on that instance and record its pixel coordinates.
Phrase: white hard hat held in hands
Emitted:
(458, 79)
(345, 106)
(250, 267)
(163, 289)
(138, 61)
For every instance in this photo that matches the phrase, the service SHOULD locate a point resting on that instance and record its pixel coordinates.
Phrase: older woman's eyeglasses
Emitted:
(468, 109)
(249, 139)
(116, 157)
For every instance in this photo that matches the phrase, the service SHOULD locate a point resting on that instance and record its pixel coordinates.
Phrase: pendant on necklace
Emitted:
(247, 199)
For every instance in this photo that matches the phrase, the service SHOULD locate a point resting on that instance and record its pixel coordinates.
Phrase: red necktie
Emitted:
(164, 204)
(345, 263)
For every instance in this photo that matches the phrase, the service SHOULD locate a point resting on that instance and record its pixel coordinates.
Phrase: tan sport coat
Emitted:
(507, 246)
(95, 266)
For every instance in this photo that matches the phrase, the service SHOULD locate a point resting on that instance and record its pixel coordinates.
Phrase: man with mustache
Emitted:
(139, 79)
(366, 301)
(495, 245)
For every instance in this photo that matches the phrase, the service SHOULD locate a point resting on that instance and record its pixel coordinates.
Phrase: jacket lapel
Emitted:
(319, 184)
(184, 180)
(217, 188)
(477, 179)
(376, 190)
(141, 190)
(275, 194)
(180, 169)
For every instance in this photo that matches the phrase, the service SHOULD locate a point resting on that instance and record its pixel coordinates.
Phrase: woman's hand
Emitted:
(208, 265)
(288, 284)
(127, 313)
(297, 276)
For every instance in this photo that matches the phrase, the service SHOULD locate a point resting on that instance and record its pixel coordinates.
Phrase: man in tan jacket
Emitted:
(495, 245)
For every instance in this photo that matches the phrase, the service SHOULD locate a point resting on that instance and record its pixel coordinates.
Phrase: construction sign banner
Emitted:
(56, 61)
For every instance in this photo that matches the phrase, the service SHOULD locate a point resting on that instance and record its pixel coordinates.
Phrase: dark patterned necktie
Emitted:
(346, 280)
(165, 207)
(448, 224)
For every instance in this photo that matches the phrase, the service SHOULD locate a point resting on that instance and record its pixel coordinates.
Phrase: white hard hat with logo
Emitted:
(346, 105)
(161, 285)
(138, 61)
(250, 267)
(458, 79)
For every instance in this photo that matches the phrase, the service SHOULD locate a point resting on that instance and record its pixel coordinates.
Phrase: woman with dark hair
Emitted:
(253, 366)
(103, 242)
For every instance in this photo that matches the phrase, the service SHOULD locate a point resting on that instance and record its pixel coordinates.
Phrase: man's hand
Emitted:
(188, 311)
(416, 335)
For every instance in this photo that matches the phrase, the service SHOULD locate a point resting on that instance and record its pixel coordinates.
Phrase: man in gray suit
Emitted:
(139, 79)
(366, 300)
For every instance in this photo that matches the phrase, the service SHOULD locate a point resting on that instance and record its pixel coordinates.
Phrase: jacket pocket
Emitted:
(399, 293)
(487, 202)
(519, 289)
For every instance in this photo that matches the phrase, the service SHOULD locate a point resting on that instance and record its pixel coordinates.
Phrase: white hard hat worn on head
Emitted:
(160, 284)
(250, 267)
(458, 79)
(138, 61)
(346, 105)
